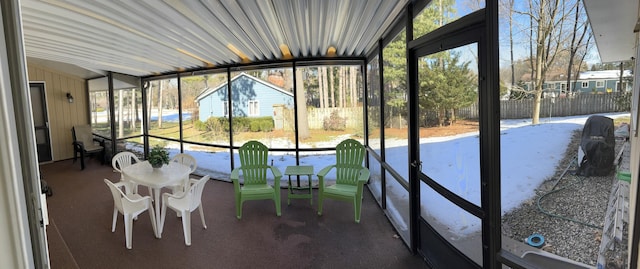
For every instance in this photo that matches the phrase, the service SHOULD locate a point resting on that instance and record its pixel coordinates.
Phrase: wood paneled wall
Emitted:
(62, 114)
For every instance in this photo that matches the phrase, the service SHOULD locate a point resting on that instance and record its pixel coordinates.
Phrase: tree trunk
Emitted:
(619, 89)
(303, 121)
(345, 86)
(149, 92)
(513, 69)
(160, 90)
(441, 113)
(573, 48)
(331, 87)
(531, 78)
(341, 86)
(548, 39)
(452, 116)
(134, 111)
(120, 113)
(321, 85)
(586, 48)
(326, 85)
(539, 81)
(575, 45)
(354, 86)
(539, 74)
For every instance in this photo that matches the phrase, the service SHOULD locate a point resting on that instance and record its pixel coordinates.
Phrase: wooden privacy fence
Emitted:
(579, 104)
(316, 116)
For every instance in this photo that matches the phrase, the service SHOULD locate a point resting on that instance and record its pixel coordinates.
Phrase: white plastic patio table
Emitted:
(143, 174)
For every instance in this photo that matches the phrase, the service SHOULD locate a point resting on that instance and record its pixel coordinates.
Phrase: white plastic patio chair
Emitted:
(122, 160)
(188, 160)
(184, 204)
(130, 206)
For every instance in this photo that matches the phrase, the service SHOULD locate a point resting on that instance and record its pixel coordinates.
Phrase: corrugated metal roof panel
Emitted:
(149, 37)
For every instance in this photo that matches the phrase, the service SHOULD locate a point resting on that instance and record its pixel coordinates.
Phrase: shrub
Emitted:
(267, 125)
(224, 123)
(334, 122)
(247, 124)
(261, 124)
(212, 124)
(623, 100)
(241, 124)
(200, 126)
(254, 126)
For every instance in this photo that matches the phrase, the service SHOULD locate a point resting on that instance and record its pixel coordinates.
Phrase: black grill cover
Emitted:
(598, 145)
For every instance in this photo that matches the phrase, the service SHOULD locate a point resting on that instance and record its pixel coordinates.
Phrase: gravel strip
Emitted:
(581, 203)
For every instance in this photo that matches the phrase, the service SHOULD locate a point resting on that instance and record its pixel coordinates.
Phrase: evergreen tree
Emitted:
(438, 13)
(395, 78)
(446, 84)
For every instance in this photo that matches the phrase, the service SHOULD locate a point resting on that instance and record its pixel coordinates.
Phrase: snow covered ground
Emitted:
(529, 155)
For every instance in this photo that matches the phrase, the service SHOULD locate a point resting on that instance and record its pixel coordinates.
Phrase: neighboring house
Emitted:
(604, 81)
(251, 97)
(589, 82)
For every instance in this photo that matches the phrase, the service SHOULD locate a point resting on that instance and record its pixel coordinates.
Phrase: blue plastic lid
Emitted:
(535, 240)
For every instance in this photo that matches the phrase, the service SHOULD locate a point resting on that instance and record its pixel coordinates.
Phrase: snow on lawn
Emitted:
(529, 155)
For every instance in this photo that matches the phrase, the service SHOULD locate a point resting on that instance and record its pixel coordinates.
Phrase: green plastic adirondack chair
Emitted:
(254, 166)
(350, 176)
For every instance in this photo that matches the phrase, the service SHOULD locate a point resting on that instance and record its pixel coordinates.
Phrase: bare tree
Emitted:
(149, 91)
(133, 115)
(513, 71)
(506, 12)
(345, 85)
(340, 78)
(547, 19)
(581, 26)
(353, 70)
(120, 113)
(303, 121)
(326, 85)
(322, 77)
(531, 19)
(583, 54)
(331, 87)
(160, 90)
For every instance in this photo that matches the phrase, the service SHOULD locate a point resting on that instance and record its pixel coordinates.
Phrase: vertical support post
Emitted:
(112, 114)
(180, 112)
(295, 112)
(414, 139)
(383, 176)
(489, 96)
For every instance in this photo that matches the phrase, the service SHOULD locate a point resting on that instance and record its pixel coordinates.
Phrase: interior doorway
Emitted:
(41, 121)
